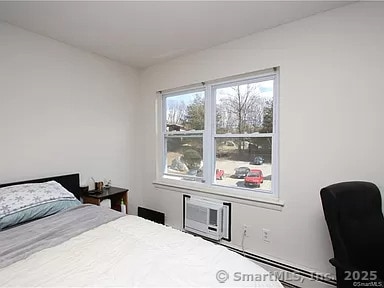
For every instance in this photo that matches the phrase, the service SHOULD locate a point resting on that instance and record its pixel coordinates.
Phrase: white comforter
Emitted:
(133, 252)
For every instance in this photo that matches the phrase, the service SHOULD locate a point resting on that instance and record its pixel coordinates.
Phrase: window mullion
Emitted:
(163, 147)
(207, 138)
(275, 137)
(184, 133)
(259, 135)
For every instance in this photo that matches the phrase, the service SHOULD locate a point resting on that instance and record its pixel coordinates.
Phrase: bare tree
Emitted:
(176, 112)
(241, 110)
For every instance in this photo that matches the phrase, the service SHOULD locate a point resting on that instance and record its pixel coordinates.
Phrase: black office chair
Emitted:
(355, 222)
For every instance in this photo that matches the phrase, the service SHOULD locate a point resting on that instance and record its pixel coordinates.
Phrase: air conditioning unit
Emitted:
(204, 217)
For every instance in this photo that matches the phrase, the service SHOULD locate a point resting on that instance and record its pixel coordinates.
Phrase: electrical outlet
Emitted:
(266, 235)
(245, 230)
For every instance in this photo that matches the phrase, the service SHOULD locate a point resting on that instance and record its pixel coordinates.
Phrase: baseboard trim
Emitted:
(307, 276)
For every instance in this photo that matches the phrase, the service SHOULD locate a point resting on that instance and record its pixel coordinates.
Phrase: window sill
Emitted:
(220, 192)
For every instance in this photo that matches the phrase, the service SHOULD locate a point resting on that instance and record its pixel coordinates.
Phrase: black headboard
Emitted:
(70, 182)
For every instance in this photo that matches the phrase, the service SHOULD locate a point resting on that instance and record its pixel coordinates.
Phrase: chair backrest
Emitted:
(356, 224)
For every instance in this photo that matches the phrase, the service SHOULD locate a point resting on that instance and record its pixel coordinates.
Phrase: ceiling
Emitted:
(144, 33)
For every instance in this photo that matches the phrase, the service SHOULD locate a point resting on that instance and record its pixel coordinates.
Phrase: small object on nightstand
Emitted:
(107, 184)
(99, 186)
(123, 208)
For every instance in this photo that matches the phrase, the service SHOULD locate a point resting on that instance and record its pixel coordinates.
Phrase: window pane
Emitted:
(246, 108)
(246, 162)
(185, 112)
(185, 157)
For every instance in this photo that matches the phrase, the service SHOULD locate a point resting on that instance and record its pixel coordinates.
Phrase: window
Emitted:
(223, 134)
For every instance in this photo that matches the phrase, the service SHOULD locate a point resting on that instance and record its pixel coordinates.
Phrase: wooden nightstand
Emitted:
(115, 194)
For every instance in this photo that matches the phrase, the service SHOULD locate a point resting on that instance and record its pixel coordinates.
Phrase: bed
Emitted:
(92, 246)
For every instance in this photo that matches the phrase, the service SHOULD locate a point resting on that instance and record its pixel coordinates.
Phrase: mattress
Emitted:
(125, 252)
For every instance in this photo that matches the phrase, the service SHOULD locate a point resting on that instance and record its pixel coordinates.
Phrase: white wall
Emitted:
(63, 110)
(331, 115)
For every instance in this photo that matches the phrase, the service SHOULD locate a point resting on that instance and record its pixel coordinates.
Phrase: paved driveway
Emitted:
(229, 167)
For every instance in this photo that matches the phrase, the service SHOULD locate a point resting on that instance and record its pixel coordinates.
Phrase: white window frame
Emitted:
(165, 134)
(209, 135)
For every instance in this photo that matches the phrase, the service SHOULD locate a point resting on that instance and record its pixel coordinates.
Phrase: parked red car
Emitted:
(219, 174)
(254, 178)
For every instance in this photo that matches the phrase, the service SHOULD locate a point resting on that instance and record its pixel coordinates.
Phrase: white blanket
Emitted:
(133, 252)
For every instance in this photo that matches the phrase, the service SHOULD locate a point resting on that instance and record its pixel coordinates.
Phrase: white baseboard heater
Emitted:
(206, 217)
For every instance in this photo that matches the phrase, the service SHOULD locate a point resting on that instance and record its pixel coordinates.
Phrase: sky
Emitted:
(265, 89)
